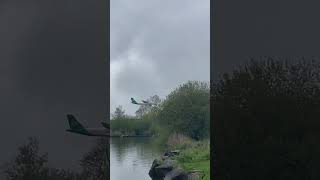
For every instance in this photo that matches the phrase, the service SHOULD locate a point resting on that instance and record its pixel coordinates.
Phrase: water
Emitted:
(131, 158)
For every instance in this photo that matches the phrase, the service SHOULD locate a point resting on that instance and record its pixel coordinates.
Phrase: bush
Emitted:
(266, 119)
(130, 126)
(186, 110)
(196, 158)
(179, 141)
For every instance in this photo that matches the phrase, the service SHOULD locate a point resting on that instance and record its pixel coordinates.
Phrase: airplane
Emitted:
(76, 127)
(143, 102)
(106, 125)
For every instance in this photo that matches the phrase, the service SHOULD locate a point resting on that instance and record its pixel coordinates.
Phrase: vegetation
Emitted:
(266, 119)
(95, 163)
(122, 124)
(186, 111)
(194, 156)
(180, 121)
(29, 164)
(130, 126)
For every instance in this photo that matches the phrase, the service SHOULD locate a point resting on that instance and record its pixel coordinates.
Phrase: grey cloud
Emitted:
(171, 35)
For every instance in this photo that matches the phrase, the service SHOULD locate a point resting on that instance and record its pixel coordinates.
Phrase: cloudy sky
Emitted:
(155, 46)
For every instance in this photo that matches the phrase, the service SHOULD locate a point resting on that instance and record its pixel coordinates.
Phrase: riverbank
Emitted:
(195, 158)
(184, 157)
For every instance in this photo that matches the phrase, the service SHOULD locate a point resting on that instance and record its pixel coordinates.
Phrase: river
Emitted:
(131, 158)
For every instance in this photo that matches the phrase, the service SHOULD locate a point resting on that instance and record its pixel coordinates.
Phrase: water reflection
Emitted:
(131, 158)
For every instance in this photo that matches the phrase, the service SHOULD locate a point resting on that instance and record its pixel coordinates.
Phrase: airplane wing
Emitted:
(145, 102)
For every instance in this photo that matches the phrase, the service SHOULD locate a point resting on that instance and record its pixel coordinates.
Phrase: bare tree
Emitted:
(118, 113)
(155, 99)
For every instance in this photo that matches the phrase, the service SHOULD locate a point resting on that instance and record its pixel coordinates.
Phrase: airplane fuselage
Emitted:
(91, 132)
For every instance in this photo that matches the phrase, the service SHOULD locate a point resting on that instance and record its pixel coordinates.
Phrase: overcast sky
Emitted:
(155, 46)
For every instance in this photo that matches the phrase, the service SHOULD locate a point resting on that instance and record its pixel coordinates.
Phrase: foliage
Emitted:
(145, 109)
(179, 141)
(62, 174)
(196, 157)
(95, 163)
(119, 113)
(266, 121)
(28, 164)
(186, 110)
(130, 126)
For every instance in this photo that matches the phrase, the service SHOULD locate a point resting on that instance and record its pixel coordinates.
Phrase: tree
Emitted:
(119, 113)
(29, 164)
(95, 163)
(266, 121)
(155, 99)
(186, 110)
(62, 174)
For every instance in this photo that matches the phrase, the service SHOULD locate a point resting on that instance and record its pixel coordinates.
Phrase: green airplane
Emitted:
(76, 127)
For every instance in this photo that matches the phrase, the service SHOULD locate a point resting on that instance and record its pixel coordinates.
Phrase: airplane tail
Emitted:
(105, 125)
(75, 125)
(133, 101)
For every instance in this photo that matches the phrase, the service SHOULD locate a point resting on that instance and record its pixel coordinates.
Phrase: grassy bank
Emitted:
(194, 155)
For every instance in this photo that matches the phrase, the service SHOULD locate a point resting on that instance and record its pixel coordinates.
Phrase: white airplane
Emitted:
(144, 103)
(76, 127)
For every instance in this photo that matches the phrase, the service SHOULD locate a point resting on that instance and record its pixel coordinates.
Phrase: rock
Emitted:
(164, 157)
(167, 164)
(193, 176)
(166, 169)
(172, 153)
(153, 173)
(180, 174)
(159, 170)
(176, 174)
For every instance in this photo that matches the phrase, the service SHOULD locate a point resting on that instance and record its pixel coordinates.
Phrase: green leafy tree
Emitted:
(186, 110)
(266, 121)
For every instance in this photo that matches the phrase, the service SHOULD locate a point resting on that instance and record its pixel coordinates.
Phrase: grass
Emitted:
(203, 166)
(195, 157)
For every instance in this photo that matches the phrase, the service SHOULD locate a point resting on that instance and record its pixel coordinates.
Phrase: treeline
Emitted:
(30, 164)
(129, 125)
(186, 110)
(266, 120)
